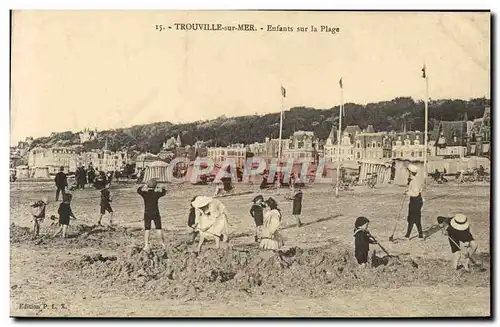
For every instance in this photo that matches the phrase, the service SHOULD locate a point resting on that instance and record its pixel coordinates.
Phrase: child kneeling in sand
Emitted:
(211, 220)
(362, 240)
(460, 238)
(65, 213)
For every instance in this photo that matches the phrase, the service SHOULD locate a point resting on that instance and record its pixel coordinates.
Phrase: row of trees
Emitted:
(384, 116)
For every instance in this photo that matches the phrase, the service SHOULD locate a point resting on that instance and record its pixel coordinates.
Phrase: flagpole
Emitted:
(426, 124)
(279, 145)
(339, 133)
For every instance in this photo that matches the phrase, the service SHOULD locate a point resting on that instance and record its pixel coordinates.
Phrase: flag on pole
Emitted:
(423, 72)
(283, 92)
(340, 82)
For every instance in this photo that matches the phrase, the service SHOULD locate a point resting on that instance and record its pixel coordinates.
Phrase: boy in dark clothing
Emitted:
(106, 205)
(459, 234)
(192, 219)
(150, 193)
(257, 213)
(297, 205)
(91, 175)
(61, 183)
(65, 213)
(38, 212)
(362, 240)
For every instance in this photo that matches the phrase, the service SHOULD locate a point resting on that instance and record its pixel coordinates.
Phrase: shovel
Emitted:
(391, 238)
(465, 254)
(383, 249)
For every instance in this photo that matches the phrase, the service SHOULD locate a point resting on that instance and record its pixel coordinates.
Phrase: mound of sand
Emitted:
(179, 273)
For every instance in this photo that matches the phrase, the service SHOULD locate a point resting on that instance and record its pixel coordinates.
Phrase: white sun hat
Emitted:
(460, 222)
(201, 201)
(413, 168)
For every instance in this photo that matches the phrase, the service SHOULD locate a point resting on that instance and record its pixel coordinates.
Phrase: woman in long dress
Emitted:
(271, 238)
(211, 220)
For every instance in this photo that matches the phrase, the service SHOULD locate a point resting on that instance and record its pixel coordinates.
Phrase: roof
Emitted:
(411, 135)
(333, 134)
(370, 129)
(450, 130)
(352, 130)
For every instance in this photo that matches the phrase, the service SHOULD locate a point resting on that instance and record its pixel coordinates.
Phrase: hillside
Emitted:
(384, 116)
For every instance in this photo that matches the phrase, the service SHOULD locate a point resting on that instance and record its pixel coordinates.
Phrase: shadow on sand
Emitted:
(314, 222)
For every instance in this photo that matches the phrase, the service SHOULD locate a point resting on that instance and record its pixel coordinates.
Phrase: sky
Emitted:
(109, 69)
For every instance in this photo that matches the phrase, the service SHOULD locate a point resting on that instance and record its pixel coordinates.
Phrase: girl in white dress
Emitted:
(211, 220)
(271, 238)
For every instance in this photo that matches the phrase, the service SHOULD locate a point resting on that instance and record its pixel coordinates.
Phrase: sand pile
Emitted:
(178, 273)
(20, 234)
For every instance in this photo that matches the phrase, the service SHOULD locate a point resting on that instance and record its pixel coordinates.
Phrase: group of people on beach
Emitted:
(208, 218)
(456, 228)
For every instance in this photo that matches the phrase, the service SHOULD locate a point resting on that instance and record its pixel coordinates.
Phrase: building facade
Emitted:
(301, 146)
(346, 151)
(53, 158)
(88, 135)
(235, 152)
(408, 145)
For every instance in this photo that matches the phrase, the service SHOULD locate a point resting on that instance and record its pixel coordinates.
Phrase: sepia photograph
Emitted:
(250, 163)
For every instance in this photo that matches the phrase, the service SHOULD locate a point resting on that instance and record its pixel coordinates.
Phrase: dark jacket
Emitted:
(192, 217)
(457, 236)
(362, 241)
(105, 196)
(65, 211)
(61, 180)
(151, 198)
(257, 212)
(297, 203)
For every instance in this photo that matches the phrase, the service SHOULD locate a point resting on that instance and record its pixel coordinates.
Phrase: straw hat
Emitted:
(45, 200)
(460, 222)
(201, 201)
(413, 168)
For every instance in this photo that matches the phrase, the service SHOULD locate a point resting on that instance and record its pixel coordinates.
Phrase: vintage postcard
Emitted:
(250, 164)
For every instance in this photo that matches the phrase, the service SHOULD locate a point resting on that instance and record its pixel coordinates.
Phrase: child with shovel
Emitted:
(362, 240)
(460, 238)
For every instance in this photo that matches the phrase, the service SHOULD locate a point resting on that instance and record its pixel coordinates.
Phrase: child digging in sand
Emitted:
(38, 212)
(362, 240)
(65, 213)
(461, 241)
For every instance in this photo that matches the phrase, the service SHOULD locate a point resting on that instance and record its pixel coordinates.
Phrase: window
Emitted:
(416, 142)
(358, 145)
(407, 142)
(393, 143)
(420, 153)
(368, 145)
(412, 154)
(358, 155)
(379, 145)
(393, 153)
